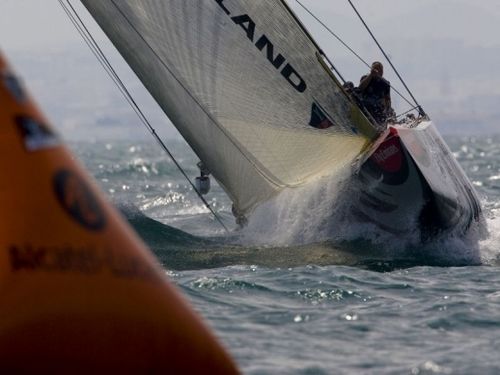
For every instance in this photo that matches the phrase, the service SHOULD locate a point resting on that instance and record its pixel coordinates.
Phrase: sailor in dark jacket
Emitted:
(375, 92)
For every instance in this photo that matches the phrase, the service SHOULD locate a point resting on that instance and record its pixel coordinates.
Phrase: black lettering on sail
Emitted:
(263, 42)
(294, 78)
(222, 6)
(246, 23)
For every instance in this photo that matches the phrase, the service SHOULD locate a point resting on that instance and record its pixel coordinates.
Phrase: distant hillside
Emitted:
(81, 100)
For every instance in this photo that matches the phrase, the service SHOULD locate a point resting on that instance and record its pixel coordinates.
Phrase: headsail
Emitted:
(241, 81)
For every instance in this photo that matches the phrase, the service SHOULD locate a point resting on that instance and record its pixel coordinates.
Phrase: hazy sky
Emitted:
(454, 44)
(42, 23)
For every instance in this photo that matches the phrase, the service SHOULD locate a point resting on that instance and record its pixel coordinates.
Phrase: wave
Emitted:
(179, 250)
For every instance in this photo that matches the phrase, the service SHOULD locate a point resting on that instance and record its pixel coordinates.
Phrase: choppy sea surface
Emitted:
(302, 291)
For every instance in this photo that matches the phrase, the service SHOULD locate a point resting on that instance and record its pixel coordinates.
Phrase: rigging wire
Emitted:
(99, 54)
(408, 111)
(420, 109)
(329, 30)
(306, 32)
(191, 95)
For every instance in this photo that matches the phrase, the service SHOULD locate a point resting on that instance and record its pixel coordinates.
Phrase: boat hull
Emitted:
(411, 183)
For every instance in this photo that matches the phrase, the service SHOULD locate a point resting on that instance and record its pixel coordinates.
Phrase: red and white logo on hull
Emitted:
(389, 155)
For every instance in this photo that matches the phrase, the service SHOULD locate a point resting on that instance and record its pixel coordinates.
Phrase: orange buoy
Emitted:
(79, 292)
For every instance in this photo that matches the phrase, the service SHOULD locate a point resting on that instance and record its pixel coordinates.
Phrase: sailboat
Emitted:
(256, 98)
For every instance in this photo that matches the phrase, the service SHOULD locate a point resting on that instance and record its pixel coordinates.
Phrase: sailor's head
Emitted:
(378, 68)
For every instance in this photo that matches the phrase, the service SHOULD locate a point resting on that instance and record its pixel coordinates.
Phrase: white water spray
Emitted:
(316, 213)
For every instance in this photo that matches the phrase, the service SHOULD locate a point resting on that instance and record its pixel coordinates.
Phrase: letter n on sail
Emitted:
(319, 119)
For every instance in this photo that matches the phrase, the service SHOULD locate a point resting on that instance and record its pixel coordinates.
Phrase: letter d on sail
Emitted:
(294, 78)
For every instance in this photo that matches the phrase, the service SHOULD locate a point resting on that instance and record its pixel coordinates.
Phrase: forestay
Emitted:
(244, 85)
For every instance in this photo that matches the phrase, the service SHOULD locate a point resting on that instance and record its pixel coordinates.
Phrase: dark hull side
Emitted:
(411, 182)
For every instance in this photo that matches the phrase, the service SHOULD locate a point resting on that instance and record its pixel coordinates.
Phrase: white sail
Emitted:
(244, 85)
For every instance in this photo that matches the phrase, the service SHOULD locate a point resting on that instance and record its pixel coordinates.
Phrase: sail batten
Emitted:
(241, 82)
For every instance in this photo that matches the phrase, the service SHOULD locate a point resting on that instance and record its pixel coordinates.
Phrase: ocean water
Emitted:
(302, 290)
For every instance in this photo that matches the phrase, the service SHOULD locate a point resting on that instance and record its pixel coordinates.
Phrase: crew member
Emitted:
(375, 94)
